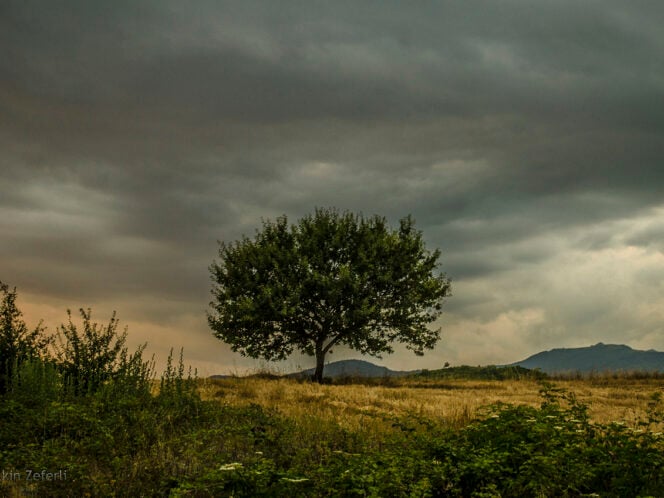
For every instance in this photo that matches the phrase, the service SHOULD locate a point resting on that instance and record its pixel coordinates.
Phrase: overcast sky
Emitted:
(525, 138)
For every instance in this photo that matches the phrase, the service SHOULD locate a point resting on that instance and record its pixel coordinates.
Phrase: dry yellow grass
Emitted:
(372, 407)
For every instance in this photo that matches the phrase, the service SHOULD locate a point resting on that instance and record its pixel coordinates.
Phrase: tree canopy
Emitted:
(330, 279)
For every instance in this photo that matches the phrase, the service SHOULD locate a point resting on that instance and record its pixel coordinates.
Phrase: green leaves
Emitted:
(332, 278)
(551, 451)
(90, 357)
(17, 343)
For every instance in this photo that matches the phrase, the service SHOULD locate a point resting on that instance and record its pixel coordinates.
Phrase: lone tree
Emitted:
(331, 279)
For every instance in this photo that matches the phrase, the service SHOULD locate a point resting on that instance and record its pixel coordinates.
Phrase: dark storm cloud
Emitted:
(524, 137)
(349, 61)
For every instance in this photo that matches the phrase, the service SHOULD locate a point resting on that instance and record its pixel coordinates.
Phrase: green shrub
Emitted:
(36, 382)
(551, 451)
(89, 358)
(17, 343)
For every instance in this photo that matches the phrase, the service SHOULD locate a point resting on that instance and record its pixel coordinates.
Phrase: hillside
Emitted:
(354, 368)
(598, 358)
(490, 372)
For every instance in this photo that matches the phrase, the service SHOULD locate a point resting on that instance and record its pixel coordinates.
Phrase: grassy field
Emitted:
(269, 437)
(352, 404)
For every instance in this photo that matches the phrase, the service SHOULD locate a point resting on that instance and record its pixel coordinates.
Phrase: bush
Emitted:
(551, 451)
(17, 343)
(90, 358)
(36, 382)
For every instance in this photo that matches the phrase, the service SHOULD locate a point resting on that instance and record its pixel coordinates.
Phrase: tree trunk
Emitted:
(320, 363)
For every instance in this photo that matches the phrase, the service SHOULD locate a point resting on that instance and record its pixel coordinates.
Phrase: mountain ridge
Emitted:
(599, 358)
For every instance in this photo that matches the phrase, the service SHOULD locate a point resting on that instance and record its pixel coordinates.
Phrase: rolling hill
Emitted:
(354, 368)
(598, 358)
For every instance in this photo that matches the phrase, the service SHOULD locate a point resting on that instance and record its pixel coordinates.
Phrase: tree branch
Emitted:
(332, 343)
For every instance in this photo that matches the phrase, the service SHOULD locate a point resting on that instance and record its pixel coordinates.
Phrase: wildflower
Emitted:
(231, 466)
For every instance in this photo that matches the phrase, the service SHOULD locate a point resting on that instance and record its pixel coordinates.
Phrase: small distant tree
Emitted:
(89, 358)
(330, 279)
(18, 344)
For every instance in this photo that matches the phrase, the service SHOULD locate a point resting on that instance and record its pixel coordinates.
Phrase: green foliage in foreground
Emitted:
(552, 451)
(490, 372)
(17, 343)
(130, 443)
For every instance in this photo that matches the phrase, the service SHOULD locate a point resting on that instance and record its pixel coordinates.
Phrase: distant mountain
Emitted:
(598, 358)
(353, 368)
